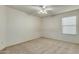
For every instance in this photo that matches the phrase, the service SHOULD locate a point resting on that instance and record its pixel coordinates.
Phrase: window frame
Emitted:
(75, 26)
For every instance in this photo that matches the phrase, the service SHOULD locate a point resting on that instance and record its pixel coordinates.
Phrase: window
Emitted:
(69, 25)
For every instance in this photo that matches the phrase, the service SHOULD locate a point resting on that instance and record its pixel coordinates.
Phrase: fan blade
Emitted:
(35, 7)
(49, 8)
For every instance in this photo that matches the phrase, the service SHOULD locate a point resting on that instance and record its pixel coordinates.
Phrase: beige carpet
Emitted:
(42, 46)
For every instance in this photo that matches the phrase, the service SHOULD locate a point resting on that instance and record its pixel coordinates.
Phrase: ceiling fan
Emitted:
(43, 9)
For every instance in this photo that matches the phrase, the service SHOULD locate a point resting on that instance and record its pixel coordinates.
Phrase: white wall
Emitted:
(21, 27)
(2, 26)
(52, 27)
(17, 26)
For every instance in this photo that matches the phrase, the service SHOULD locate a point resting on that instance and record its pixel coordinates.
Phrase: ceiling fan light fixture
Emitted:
(42, 12)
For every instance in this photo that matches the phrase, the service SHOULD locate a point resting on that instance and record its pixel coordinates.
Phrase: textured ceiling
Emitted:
(34, 9)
